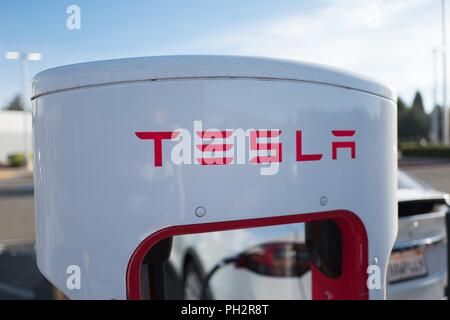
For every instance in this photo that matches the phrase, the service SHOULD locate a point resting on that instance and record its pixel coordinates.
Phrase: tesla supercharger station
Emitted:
(132, 151)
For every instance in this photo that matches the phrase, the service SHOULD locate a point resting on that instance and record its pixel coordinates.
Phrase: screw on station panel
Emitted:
(200, 212)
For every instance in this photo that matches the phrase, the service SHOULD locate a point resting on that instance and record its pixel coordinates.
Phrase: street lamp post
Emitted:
(444, 74)
(25, 97)
(435, 132)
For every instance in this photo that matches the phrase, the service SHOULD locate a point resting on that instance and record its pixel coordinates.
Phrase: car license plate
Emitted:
(406, 264)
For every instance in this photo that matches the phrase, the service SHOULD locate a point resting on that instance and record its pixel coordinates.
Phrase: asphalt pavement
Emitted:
(19, 275)
(436, 175)
(16, 211)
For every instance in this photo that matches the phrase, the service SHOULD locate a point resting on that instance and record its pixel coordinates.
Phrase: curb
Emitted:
(423, 162)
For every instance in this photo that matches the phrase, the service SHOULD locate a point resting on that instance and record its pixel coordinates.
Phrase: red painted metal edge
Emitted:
(351, 285)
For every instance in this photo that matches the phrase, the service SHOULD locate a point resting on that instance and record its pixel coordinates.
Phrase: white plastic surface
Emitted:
(98, 193)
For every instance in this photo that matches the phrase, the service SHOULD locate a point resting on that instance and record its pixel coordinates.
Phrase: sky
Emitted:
(391, 40)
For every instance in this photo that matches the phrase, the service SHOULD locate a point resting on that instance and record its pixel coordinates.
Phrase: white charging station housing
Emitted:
(134, 149)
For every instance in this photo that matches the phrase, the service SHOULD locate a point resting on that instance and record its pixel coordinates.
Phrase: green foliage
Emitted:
(16, 160)
(414, 149)
(438, 113)
(15, 104)
(413, 122)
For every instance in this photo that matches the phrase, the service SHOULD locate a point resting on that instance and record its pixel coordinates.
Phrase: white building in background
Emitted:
(15, 133)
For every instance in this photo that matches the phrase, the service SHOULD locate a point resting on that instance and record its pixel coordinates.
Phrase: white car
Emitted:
(277, 263)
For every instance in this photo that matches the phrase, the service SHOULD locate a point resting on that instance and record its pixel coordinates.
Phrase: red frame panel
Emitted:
(350, 285)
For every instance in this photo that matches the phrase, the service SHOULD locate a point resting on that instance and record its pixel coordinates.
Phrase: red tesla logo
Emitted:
(219, 147)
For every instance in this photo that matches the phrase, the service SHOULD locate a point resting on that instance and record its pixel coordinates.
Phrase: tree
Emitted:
(419, 119)
(15, 104)
(401, 105)
(438, 113)
(413, 122)
(418, 102)
(402, 118)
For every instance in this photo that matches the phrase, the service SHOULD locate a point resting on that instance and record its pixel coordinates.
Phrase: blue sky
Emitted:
(391, 40)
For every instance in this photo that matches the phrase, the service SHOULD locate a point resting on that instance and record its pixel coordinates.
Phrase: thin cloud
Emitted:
(389, 40)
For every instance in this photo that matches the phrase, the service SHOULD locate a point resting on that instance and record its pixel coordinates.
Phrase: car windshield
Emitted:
(406, 181)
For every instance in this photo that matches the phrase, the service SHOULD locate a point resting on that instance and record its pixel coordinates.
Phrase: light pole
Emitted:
(24, 58)
(435, 114)
(444, 73)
